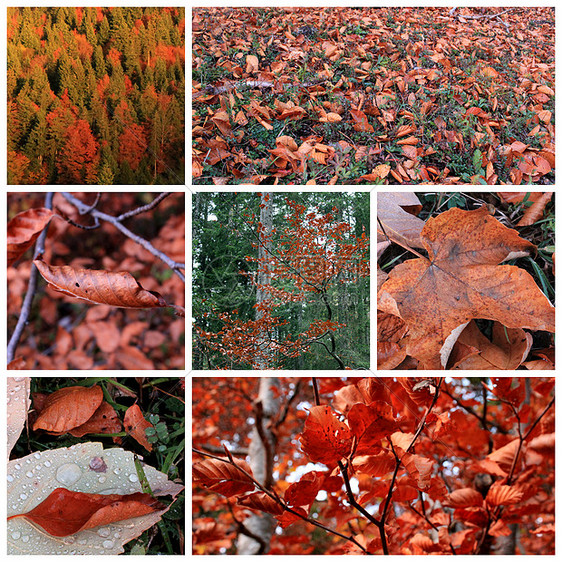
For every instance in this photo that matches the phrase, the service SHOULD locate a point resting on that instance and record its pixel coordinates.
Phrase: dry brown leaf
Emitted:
(136, 425)
(118, 289)
(462, 280)
(24, 229)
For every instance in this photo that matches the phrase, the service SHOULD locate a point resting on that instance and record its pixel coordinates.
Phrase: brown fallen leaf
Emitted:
(118, 289)
(136, 425)
(24, 229)
(68, 408)
(65, 513)
(461, 280)
(104, 420)
(396, 218)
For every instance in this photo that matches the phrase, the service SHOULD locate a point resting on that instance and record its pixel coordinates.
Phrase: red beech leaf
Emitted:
(375, 465)
(104, 420)
(325, 438)
(136, 426)
(65, 512)
(68, 408)
(261, 502)
(118, 289)
(288, 518)
(504, 455)
(465, 497)
(304, 491)
(24, 229)
(221, 477)
(503, 495)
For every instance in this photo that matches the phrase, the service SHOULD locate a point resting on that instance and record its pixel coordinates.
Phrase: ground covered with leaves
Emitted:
(373, 95)
(482, 298)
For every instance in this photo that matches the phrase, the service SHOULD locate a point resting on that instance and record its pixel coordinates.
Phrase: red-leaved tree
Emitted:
(311, 255)
(377, 465)
(77, 162)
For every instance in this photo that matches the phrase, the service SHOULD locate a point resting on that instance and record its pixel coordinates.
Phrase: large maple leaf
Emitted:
(462, 280)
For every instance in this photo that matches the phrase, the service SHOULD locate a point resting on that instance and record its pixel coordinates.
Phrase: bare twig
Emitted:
(174, 266)
(31, 288)
(154, 203)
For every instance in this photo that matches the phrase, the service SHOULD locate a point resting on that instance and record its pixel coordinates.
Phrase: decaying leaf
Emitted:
(31, 480)
(65, 512)
(68, 408)
(24, 229)
(104, 420)
(461, 280)
(118, 289)
(136, 426)
(18, 406)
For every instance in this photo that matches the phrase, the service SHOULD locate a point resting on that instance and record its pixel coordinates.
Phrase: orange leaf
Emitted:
(460, 281)
(104, 420)
(65, 513)
(136, 425)
(325, 438)
(68, 408)
(261, 502)
(101, 287)
(465, 497)
(503, 495)
(221, 477)
(24, 229)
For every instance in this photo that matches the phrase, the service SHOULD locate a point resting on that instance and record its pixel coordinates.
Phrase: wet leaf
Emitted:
(136, 425)
(32, 479)
(68, 408)
(65, 512)
(18, 406)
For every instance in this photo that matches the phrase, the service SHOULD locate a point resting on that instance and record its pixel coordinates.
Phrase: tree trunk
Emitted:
(261, 454)
(264, 275)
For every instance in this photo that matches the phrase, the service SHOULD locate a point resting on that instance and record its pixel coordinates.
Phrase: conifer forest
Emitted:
(96, 95)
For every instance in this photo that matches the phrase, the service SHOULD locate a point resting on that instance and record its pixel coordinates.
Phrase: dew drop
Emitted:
(133, 478)
(116, 471)
(104, 532)
(29, 474)
(117, 535)
(17, 467)
(23, 496)
(68, 474)
(16, 535)
(16, 388)
(107, 544)
(25, 538)
(47, 463)
(10, 478)
(37, 455)
(102, 479)
(82, 542)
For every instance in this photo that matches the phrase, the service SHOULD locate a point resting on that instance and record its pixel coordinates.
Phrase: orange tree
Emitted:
(378, 465)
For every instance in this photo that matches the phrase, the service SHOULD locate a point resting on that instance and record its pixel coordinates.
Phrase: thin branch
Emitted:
(31, 288)
(316, 393)
(154, 203)
(174, 266)
(242, 529)
(288, 403)
(278, 500)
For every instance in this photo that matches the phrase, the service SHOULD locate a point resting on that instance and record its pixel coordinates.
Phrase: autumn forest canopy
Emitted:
(96, 95)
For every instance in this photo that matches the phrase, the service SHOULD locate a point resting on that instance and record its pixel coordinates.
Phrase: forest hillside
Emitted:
(96, 95)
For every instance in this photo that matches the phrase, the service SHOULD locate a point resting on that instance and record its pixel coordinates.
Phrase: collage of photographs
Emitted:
(310, 127)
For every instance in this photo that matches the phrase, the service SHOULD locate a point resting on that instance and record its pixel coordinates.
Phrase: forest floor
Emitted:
(373, 96)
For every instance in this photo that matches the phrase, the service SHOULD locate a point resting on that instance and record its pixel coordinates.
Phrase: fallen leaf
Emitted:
(65, 513)
(68, 408)
(462, 280)
(136, 425)
(70, 467)
(18, 406)
(396, 218)
(118, 289)
(104, 420)
(24, 229)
